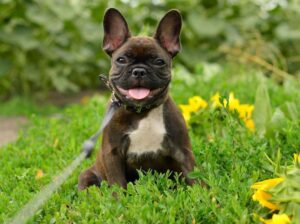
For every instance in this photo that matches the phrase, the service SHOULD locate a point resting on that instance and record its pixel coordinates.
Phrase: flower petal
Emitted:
(267, 184)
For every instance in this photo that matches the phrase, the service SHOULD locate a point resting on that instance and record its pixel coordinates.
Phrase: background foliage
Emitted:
(56, 44)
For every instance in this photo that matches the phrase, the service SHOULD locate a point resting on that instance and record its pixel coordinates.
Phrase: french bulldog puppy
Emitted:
(147, 131)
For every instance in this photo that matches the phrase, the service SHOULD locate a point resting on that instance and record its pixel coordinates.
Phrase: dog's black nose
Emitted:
(138, 72)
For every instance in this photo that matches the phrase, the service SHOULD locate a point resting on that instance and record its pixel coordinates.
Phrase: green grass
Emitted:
(21, 106)
(230, 164)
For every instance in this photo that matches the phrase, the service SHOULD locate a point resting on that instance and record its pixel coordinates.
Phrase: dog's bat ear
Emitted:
(116, 30)
(168, 32)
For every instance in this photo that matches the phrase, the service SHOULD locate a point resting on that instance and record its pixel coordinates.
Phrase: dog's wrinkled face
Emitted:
(141, 70)
(141, 66)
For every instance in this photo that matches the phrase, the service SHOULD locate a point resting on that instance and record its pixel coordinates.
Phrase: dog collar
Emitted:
(138, 109)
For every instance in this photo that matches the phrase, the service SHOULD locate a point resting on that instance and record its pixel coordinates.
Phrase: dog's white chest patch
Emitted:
(150, 133)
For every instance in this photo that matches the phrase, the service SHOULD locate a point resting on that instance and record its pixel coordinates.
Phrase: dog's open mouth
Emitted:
(138, 93)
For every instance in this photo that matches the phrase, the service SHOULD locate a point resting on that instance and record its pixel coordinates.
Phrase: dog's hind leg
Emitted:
(88, 178)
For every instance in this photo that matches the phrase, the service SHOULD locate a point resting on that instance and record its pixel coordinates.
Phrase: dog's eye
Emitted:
(159, 62)
(121, 60)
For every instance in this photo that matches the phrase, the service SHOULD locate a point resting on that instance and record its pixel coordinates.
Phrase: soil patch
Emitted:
(9, 127)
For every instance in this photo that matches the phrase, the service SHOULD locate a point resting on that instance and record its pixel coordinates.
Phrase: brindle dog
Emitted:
(147, 132)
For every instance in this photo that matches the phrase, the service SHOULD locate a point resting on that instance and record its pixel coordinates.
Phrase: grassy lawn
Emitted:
(19, 106)
(230, 158)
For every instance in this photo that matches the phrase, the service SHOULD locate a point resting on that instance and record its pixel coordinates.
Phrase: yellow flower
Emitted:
(186, 112)
(187, 117)
(216, 100)
(267, 184)
(277, 219)
(39, 174)
(281, 219)
(233, 103)
(262, 196)
(297, 158)
(245, 111)
(196, 103)
(250, 124)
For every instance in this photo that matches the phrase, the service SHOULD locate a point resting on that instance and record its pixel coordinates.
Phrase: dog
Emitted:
(147, 132)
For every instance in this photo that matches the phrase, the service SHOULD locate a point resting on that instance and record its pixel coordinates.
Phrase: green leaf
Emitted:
(5, 66)
(62, 8)
(285, 32)
(62, 84)
(195, 175)
(21, 36)
(45, 18)
(290, 111)
(263, 111)
(206, 27)
(277, 123)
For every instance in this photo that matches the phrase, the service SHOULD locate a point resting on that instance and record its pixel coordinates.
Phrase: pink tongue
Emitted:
(139, 93)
